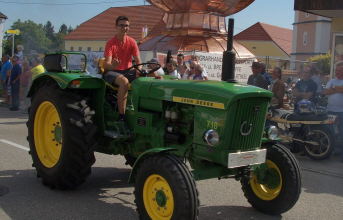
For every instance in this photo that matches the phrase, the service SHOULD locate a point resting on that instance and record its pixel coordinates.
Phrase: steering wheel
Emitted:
(142, 71)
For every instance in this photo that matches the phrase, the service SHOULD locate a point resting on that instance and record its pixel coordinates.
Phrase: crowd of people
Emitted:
(15, 79)
(180, 68)
(309, 87)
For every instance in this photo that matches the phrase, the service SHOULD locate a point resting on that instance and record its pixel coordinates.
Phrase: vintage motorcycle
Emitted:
(309, 129)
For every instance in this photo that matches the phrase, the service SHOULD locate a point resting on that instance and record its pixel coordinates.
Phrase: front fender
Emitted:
(143, 156)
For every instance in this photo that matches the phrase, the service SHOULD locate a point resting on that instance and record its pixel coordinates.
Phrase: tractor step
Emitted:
(118, 130)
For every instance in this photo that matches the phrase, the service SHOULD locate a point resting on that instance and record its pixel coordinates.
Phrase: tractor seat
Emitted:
(101, 64)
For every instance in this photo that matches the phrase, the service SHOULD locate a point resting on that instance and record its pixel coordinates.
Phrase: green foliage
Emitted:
(322, 62)
(49, 31)
(70, 29)
(63, 29)
(36, 37)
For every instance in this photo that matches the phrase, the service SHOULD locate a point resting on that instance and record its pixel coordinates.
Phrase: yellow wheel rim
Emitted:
(48, 134)
(263, 191)
(158, 198)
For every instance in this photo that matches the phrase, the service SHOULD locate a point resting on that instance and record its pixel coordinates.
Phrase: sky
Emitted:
(75, 12)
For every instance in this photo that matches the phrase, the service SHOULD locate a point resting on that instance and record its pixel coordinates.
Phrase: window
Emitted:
(305, 38)
(71, 48)
(80, 48)
(89, 49)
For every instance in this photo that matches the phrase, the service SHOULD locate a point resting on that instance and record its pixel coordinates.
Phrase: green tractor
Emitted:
(177, 131)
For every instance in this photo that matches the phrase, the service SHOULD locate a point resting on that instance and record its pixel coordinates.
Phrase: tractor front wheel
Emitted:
(275, 186)
(165, 189)
(61, 135)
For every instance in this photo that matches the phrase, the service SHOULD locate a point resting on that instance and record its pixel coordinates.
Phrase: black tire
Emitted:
(67, 167)
(282, 196)
(323, 136)
(172, 173)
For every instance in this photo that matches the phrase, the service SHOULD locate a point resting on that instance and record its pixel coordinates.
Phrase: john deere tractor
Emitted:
(176, 132)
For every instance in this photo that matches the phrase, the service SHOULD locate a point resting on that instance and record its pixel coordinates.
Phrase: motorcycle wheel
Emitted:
(324, 138)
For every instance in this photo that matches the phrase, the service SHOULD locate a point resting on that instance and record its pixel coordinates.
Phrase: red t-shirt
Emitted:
(123, 51)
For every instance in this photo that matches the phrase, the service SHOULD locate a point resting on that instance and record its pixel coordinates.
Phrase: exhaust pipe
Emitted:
(229, 57)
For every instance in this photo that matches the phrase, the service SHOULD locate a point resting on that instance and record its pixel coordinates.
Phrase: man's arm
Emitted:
(138, 61)
(333, 90)
(110, 63)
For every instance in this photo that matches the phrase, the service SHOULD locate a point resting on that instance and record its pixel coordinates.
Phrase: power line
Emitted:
(57, 4)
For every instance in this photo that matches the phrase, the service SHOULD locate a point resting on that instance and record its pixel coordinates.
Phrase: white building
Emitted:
(311, 36)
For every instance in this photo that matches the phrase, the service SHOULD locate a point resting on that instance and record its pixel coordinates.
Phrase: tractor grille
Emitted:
(248, 124)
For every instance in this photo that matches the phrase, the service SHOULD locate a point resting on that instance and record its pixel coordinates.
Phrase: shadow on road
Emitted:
(13, 123)
(232, 213)
(105, 195)
(7, 114)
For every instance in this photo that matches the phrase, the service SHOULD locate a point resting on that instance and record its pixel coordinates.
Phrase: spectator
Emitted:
(195, 59)
(256, 78)
(305, 88)
(25, 82)
(172, 71)
(334, 91)
(153, 65)
(316, 78)
(181, 65)
(5, 73)
(14, 82)
(196, 72)
(37, 67)
(265, 74)
(278, 88)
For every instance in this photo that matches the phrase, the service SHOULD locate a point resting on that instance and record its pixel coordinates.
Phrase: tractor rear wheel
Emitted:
(61, 135)
(276, 188)
(165, 189)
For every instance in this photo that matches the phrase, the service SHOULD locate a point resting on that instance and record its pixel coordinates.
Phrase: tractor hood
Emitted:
(215, 94)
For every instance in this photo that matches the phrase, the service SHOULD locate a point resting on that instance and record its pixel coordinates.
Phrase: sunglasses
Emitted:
(123, 25)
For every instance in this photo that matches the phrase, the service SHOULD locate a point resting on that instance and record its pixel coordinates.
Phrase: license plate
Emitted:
(247, 158)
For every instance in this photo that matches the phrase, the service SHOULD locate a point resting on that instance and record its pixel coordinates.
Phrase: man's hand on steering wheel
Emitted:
(143, 72)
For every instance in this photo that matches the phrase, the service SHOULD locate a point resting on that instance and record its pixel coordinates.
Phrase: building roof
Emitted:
(3, 16)
(102, 26)
(282, 37)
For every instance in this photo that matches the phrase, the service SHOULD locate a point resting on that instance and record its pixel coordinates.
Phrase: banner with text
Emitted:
(212, 62)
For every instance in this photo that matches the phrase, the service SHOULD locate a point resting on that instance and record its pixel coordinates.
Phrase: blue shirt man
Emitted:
(6, 66)
(14, 81)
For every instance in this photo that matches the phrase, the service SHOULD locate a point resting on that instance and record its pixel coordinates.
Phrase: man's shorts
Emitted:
(111, 76)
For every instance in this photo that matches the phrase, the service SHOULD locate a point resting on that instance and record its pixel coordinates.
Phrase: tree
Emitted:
(36, 37)
(63, 29)
(49, 30)
(70, 29)
(32, 36)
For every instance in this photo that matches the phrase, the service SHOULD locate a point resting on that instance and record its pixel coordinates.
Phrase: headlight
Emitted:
(273, 133)
(211, 137)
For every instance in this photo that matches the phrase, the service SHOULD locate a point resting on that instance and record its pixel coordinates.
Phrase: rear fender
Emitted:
(143, 156)
(64, 81)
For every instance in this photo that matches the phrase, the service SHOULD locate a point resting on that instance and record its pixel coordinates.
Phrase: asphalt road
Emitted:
(106, 194)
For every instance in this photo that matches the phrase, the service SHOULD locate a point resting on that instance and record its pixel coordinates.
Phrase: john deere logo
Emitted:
(245, 128)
